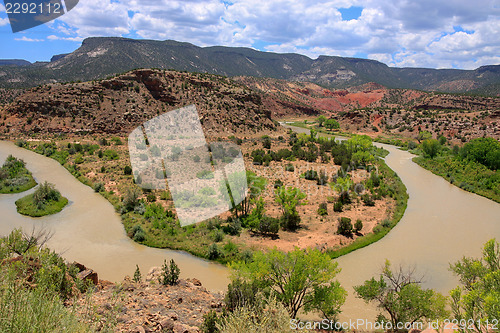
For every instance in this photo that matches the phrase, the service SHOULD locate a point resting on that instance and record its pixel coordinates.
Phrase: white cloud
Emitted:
(98, 18)
(26, 39)
(413, 33)
(4, 21)
(71, 39)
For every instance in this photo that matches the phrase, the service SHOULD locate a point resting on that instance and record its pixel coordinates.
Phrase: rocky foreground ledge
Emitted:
(149, 306)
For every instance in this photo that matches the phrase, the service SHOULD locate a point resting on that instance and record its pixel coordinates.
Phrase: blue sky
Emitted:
(425, 33)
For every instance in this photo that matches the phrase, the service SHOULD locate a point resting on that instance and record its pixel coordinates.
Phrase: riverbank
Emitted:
(399, 193)
(100, 164)
(467, 175)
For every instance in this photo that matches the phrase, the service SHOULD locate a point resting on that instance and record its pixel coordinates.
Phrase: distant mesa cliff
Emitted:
(99, 57)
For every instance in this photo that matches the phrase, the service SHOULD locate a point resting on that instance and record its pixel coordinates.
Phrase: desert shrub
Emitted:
(170, 273)
(213, 223)
(311, 175)
(368, 200)
(278, 183)
(117, 141)
(266, 143)
(338, 206)
(322, 178)
(344, 198)
(345, 227)
(269, 316)
(290, 220)
(218, 235)
(214, 252)
(359, 188)
(233, 226)
(131, 198)
(386, 223)
(375, 179)
(210, 321)
(151, 197)
(21, 143)
(127, 170)
(165, 195)
(111, 154)
(99, 187)
(46, 192)
(269, 225)
(138, 233)
(137, 274)
(289, 167)
(358, 226)
(322, 209)
(241, 293)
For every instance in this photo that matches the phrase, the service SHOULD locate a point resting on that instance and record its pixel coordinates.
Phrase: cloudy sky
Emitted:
(414, 33)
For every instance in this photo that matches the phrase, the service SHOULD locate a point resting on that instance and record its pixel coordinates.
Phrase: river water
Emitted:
(89, 230)
(442, 223)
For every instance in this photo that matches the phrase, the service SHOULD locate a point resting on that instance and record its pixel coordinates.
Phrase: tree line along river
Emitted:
(442, 224)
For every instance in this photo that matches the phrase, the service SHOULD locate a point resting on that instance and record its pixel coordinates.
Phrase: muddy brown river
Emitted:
(442, 223)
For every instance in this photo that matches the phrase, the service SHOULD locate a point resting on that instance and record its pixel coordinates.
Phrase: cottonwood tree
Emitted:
(332, 124)
(399, 294)
(255, 186)
(321, 119)
(288, 198)
(431, 148)
(477, 300)
(300, 279)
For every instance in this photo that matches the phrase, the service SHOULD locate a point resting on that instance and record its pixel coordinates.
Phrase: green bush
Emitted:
(99, 187)
(218, 235)
(269, 225)
(233, 226)
(210, 321)
(338, 207)
(138, 233)
(368, 200)
(358, 226)
(322, 209)
(111, 154)
(170, 274)
(137, 274)
(311, 175)
(345, 227)
(214, 252)
(127, 170)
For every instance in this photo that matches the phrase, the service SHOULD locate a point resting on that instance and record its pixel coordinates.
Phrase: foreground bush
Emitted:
(34, 284)
(300, 280)
(271, 317)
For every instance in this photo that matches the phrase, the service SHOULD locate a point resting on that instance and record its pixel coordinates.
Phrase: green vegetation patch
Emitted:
(14, 177)
(474, 167)
(45, 201)
(468, 175)
(397, 190)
